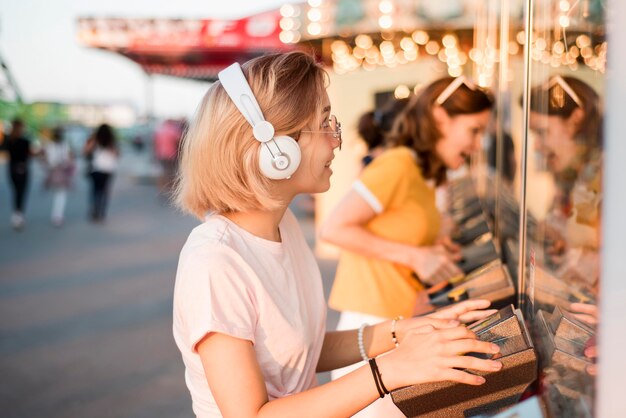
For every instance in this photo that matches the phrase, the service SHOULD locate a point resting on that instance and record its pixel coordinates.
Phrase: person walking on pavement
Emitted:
(19, 150)
(166, 139)
(101, 149)
(59, 162)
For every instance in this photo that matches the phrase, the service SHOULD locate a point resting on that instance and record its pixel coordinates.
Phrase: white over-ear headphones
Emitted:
(279, 156)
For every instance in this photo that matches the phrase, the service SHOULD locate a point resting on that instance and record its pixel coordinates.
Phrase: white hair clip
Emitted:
(452, 87)
(557, 79)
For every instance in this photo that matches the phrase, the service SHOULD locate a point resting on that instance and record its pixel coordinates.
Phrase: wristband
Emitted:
(379, 384)
(382, 390)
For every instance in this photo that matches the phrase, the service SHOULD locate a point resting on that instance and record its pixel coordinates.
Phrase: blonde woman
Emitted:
(249, 311)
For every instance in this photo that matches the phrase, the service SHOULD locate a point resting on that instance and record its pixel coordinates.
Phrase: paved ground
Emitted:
(85, 310)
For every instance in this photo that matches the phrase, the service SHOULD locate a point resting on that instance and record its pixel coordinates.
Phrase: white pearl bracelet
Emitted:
(361, 345)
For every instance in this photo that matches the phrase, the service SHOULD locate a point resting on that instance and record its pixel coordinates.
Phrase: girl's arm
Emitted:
(89, 146)
(341, 348)
(345, 227)
(237, 384)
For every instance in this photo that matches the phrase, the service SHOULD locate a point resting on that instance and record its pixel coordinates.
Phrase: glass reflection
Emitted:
(566, 126)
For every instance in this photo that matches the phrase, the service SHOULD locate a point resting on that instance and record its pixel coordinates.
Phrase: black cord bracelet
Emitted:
(374, 368)
(380, 378)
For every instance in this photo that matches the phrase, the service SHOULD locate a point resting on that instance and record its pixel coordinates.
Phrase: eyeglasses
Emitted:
(560, 81)
(452, 87)
(335, 129)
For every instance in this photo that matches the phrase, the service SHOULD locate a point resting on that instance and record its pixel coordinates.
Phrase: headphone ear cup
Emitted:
(279, 165)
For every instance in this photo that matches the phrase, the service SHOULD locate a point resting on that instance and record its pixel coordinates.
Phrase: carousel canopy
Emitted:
(188, 48)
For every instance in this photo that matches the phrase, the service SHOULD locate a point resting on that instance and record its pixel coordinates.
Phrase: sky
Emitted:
(38, 42)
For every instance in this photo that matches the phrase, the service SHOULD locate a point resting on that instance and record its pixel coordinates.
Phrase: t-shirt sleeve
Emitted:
(381, 181)
(216, 295)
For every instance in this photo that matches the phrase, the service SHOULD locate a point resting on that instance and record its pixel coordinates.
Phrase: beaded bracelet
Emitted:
(360, 341)
(394, 337)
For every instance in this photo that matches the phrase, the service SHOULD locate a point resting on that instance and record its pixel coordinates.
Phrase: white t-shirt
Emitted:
(57, 153)
(269, 293)
(104, 160)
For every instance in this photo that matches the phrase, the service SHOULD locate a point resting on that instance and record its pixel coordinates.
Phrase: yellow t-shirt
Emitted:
(406, 212)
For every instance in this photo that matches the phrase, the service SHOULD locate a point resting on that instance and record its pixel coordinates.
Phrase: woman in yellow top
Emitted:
(388, 223)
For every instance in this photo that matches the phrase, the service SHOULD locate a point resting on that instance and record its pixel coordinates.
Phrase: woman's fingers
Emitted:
(476, 315)
(460, 308)
(439, 323)
(584, 308)
(426, 329)
(470, 346)
(461, 377)
(472, 363)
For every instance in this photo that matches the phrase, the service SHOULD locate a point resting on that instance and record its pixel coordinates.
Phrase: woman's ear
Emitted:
(576, 118)
(441, 118)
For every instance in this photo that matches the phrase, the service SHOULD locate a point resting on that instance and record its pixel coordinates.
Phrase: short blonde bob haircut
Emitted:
(219, 169)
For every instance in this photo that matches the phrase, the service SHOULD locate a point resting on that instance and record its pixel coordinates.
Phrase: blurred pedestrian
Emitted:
(101, 149)
(166, 139)
(59, 161)
(19, 149)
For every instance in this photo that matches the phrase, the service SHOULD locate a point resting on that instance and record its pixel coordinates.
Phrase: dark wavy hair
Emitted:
(104, 136)
(375, 125)
(555, 101)
(416, 126)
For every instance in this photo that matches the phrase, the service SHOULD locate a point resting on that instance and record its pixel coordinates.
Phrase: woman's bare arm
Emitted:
(237, 384)
(346, 228)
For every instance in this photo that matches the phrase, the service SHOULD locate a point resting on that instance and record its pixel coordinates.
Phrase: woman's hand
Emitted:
(429, 355)
(585, 312)
(452, 247)
(433, 264)
(466, 311)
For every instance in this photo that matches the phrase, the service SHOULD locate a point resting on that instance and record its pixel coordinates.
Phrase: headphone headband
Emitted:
(238, 89)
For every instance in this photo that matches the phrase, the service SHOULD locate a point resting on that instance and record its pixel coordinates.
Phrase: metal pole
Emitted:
(526, 125)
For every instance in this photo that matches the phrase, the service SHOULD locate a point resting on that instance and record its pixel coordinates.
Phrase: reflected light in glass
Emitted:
(540, 44)
(558, 48)
(583, 41)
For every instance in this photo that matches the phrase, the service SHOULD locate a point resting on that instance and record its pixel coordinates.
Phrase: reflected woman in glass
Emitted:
(567, 122)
